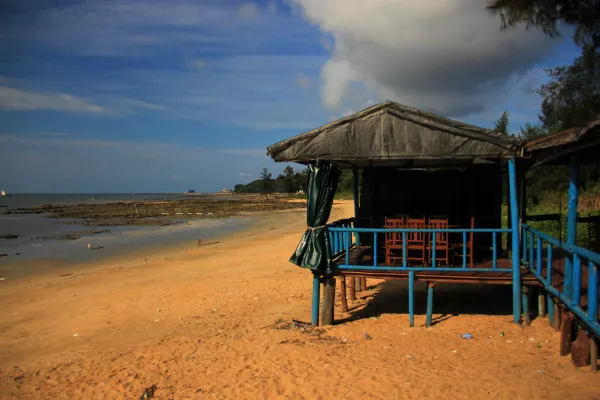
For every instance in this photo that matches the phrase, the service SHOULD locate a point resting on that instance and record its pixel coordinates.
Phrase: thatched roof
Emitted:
(584, 140)
(394, 134)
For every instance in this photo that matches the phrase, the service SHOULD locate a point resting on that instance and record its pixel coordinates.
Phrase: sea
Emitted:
(44, 244)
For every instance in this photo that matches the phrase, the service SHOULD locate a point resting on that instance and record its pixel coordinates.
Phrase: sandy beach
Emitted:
(218, 321)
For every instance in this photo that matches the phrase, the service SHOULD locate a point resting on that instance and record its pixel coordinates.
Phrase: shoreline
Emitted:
(219, 322)
(141, 254)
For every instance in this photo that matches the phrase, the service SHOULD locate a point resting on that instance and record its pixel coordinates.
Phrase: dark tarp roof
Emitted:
(389, 134)
(556, 148)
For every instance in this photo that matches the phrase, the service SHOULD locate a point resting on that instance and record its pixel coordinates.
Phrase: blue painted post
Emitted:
(429, 303)
(539, 258)
(356, 200)
(571, 223)
(576, 294)
(433, 250)
(316, 298)
(592, 292)
(411, 298)
(404, 260)
(375, 249)
(550, 307)
(514, 216)
(531, 248)
(347, 234)
(495, 252)
(465, 249)
(524, 240)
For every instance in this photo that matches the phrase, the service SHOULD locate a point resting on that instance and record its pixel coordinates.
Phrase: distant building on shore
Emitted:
(228, 191)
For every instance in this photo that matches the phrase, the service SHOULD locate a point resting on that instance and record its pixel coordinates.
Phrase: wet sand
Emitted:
(163, 212)
(218, 322)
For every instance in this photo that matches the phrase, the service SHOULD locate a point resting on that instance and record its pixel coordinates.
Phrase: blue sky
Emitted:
(165, 96)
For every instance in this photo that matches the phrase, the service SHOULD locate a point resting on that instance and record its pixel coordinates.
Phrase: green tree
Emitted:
(572, 96)
(267, 181)
(532, 131)
(582, 15)
(239, 188)
(289, 179)
(502, 123)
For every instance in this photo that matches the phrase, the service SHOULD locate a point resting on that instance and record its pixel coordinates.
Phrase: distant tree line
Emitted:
(289, 181)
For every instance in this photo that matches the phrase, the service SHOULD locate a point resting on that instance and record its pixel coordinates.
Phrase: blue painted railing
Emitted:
(341, 239)
(538, 251)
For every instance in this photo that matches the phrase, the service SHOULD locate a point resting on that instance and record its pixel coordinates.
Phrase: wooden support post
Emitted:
(327, 314)
(514, 226)
(594, 353)
(352, 287)
(580, 350)
(526, 311)
(411, 298)
(541, 302)
(364, 283)
(430, 286)
(343, 299)
(357, 284)
(557, 321)
(566, 334)
(316, 299)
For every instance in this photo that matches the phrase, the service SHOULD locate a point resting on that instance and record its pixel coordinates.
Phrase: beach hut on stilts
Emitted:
(429, 209)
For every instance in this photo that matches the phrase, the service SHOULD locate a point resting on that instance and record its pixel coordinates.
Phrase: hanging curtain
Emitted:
(314, 250)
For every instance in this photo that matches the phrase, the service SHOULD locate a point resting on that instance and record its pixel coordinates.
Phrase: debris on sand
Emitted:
(148, 393)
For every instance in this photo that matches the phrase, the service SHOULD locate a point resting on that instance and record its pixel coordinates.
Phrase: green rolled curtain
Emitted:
(314, 250)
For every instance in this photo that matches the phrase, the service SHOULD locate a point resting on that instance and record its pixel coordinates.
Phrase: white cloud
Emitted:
(143, 105)
(445, 56)
(22, 100)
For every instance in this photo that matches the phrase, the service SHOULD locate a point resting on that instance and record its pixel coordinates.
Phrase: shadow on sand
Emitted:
(449, 300)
